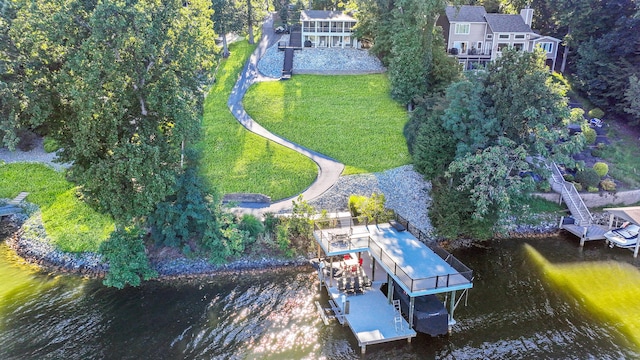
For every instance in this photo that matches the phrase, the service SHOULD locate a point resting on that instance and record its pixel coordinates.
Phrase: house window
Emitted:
(348, 26)
(503, 36)
(489, 36)
(518, 46)
(336, 27)
(518, 36)
(546, 46)
(461, 46)
(502, 46)
(463, 28)
(309, 26)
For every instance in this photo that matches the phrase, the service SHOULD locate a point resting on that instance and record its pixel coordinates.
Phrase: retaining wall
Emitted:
(601, 199)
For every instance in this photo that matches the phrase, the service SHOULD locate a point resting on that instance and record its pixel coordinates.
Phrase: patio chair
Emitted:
(349, 287)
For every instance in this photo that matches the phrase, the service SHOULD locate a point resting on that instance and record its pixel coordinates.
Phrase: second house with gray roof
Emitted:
(476, 37)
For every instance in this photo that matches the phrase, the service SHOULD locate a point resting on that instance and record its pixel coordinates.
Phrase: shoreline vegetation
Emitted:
(26, 236)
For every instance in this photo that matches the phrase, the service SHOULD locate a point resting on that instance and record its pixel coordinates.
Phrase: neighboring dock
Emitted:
(581, 223)
(12, 206)
(357, 259)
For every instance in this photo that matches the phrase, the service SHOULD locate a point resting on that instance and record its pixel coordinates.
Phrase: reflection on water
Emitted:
(607, 289)
(512, 313)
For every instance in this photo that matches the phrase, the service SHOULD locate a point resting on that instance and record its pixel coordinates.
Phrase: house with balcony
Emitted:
(322, 28)
(476, 37)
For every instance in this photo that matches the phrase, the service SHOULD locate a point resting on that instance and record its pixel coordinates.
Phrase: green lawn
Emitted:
(236, 160)
(70, 223)
(622, 156)
(350, 118)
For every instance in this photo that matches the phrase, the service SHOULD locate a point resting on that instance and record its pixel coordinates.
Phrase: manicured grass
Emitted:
(236, 160)
(539, 205)
(623, 159)
(349, 118)
(70, 223)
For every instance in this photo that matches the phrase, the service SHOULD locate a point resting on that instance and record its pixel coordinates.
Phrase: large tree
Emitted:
(227, 18)
(38, 37)
(498, 120)
(405, 37)
(119, 84)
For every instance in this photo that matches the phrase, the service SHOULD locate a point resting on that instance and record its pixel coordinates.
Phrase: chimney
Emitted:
(527, 15)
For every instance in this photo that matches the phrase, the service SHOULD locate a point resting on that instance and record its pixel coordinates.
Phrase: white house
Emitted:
(476, 37)
(322, 28)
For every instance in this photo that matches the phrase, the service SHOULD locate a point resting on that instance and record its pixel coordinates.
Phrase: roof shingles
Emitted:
(308, 15)
(465, 13)
(507, 23)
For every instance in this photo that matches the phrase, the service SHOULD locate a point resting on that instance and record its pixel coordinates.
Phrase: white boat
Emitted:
(623, 237)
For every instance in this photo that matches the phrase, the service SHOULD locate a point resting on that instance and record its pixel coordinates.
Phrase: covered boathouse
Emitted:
(355, 261)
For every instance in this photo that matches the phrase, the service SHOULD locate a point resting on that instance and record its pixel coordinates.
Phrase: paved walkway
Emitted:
(329, 170)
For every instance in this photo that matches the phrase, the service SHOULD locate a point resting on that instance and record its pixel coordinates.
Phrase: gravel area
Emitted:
(36, 155)
(405, 191)
(320, 61)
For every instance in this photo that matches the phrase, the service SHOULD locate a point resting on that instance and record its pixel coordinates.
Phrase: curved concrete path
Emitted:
(329, 170)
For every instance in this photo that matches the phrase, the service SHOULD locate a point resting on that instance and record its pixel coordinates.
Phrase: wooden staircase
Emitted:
(570, 196)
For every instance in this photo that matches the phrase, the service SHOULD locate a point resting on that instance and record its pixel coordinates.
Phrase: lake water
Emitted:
(512, 313)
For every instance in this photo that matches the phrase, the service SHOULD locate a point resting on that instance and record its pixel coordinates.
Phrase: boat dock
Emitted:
(586, 232)
(12, 206)
(385, 254)
(581, 223)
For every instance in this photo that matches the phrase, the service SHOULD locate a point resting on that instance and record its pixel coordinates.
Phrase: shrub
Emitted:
(589, 134)
(252, 225)
(355, 204)
(597, 152)
(608, 185)
(544, 186)
(270, 223)
(51, 145)
(592, 189)
(128, 262)
(578, 186)
(595, 113)
(568, 177)
(601, 169)
(588, 178)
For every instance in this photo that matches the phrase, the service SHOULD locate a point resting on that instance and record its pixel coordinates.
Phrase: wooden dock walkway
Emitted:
(12, 206)
(368, 329)
(587, 232)
(583, 225)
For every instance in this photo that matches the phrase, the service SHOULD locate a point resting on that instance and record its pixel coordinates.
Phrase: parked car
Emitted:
(284, 29)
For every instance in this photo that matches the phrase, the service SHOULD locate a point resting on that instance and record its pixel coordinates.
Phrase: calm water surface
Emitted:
(511, 314)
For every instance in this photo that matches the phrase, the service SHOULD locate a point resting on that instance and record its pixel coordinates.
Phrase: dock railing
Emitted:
(337, 242)
(429, 283)
(571, 196)
(339, 233)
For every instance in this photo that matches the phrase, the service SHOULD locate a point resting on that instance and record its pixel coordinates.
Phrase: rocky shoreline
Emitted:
(28, 238)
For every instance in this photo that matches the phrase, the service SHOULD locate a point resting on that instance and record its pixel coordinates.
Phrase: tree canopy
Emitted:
(499, 122)
(118, 84)
(405, 37)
